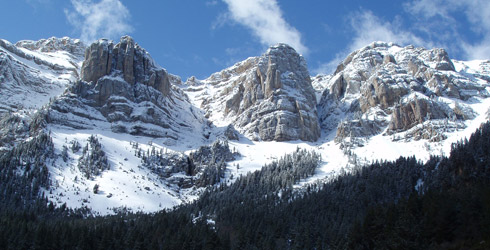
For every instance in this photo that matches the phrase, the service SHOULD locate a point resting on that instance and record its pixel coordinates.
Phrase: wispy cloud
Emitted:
(436, 23)
(368, 28)
(439, 17)
(265, 19)
(107, 18)
(211, 3)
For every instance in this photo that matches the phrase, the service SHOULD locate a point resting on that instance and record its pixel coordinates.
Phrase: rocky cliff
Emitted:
(126, 59)
(121, 87)
(395, 89)
(266, 98)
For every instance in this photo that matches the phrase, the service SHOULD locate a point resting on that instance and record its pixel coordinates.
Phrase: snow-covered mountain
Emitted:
(267, 98)
(31, 74)
(406, 94)
(129, 135)
(123, 90)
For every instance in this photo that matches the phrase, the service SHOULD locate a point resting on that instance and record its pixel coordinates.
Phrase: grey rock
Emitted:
(103, 58)
(121, 86)
(397, 86)
(415, 112)
(443, 62)
(74, 47)
(269, 97)
(389, 58)
(231, 133)
(32, 73)
(359, 128)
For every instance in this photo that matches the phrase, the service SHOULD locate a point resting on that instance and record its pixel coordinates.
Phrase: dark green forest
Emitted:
(405, 204)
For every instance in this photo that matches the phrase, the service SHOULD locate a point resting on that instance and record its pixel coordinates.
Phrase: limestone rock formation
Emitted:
(39, 65)
(122, 86)
(384, 86)
(414, 112)
(267, 98)
(127, 58)
(231, 134)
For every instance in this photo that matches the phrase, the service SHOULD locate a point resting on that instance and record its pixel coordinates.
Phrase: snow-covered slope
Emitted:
(33, 72)
(129, 135)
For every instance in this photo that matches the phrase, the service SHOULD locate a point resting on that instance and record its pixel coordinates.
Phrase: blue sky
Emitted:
(190, 37)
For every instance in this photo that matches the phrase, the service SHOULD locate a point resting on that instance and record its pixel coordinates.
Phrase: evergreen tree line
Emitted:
(404, 204)
(24, 174)
(451, 211)
(93, 160)
(209, 162)
(442, 204)
(205, 166)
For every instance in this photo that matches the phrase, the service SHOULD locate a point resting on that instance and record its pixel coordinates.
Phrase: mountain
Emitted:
(399, 91)
(123, 89)
(110, 130)
(406, 98)
(31, 74)
(266, 98)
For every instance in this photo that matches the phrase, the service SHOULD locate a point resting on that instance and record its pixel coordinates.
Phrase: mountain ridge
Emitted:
(148, 123)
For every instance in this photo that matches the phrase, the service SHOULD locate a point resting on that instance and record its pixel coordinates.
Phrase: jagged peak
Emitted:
(436, 58)
(53, 44)
(280, 53)
(281, 48)
(127, 59)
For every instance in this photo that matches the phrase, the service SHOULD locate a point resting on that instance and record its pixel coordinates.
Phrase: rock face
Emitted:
(120, 85)
(267, 98)
(415, 112)
(127, 58)
(383, 86)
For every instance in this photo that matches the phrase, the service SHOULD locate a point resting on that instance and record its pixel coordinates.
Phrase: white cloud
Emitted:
(211, 3)
(440, 16)
(368, 28)
(107, 18)
(265, 19)
(461, 27)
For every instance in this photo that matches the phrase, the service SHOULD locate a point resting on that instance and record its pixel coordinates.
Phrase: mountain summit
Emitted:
(410, 93)
(267, 98)
(121, 87)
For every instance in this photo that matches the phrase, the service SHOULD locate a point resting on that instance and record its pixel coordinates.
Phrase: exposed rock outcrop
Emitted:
(231, 133)
(127, 58)
(73, 47)
(267, 98)
(54, 63)
(120, 84)
(394, 88)
(414, 112)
